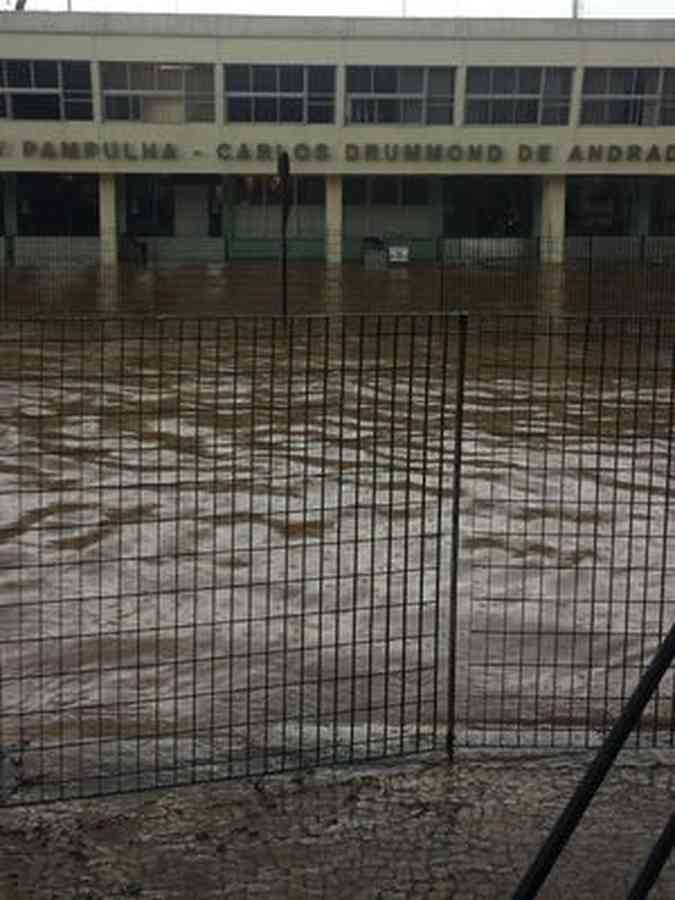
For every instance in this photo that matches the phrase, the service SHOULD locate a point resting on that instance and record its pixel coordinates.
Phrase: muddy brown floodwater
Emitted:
(222, 541)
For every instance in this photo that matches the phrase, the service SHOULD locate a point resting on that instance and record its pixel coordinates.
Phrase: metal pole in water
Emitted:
(284, 173)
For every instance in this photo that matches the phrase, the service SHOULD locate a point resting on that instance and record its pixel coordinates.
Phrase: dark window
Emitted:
(36, 106)
(414, 191)
(384, 190)
(283, 93)
(18, 74)
(355, 190)
(46, 74)
(237, 78)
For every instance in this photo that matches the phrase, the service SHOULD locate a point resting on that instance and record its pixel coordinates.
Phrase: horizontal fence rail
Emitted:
(226, 547)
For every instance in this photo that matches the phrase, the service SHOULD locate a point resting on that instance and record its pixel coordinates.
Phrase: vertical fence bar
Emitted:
(462, 323)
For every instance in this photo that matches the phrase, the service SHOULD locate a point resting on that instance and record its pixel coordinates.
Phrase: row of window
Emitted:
(172, 93)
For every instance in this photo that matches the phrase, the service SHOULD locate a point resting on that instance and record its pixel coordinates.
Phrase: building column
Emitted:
(107, 218)
(334, 220)
(552, 231)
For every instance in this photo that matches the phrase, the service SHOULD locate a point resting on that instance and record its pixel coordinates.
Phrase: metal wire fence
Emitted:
(567, 520)
(227, 546)
(236, 546)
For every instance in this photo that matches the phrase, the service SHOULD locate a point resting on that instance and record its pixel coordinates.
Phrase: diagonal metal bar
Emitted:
(570, 817)
(654, 862)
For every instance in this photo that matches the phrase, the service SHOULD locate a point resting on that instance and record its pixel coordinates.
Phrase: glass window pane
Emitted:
(36, 106)
(239, 109)
(503, 112)
(3, 107)
(265, 109)
(477, 112)
(359, 80)
(199, 110)
(478, 80)
(237, 79)
(439, 114)
(529, 80)
(619, 112)
(384, 190)
(249, 190)
(526, 111)
(2, 74)
(669, 81)
(320, 113)
(290, 109)
(362, 111)
(388, 111)
(76, 76)
(503, 80)
(78, 111)
(354, 188)
(411, 111)
(555, 114)
(265, 79)
(142, 76)
(668, 114)
(321, 79)
(116, 108)
(291, 79)
(170, 77)
(595, 81)
(411, 80)
(114, 76)
(18, 73)
(593, 112)
(647, 81)
(46, 74)
(199, 79)
(441, 80)
(621, 81)
(558, 82)
(414, 191)
(385, 79)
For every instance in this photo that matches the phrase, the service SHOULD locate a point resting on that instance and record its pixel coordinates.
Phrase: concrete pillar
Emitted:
(107, 217)
(9, 199)
(552, 233)
(334, 220)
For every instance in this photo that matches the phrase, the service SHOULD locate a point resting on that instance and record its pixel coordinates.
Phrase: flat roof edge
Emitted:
(333, 27)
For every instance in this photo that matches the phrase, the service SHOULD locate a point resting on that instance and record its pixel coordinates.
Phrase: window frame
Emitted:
(67, 99)
(371, 104)
(135, 96)
(635, 102)
(542, 101)
(305, 98)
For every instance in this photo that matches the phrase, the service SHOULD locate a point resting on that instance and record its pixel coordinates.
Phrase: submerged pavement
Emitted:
(421, 830)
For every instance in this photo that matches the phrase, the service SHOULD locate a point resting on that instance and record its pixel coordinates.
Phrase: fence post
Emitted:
(462, 322)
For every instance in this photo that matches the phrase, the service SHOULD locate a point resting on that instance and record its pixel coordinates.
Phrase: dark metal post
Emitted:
(589, 280)
(655, 862)
(284, 173)
(596, 773)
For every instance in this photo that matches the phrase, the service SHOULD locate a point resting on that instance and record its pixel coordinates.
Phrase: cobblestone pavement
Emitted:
(416, 831)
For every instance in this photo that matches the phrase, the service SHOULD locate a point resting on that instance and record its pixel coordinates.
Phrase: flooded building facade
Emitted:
(127, 134)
